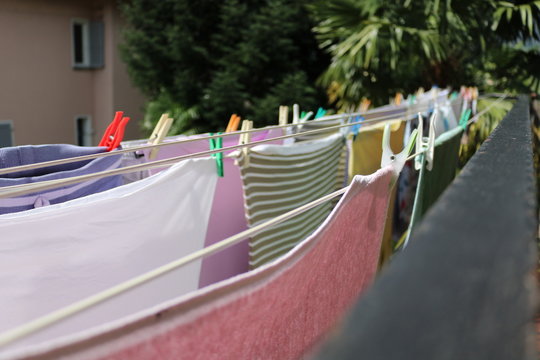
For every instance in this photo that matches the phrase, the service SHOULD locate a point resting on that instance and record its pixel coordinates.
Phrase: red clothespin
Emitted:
(118, 135)
(111, 129)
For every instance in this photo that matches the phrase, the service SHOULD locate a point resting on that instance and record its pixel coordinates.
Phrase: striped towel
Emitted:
(279, 178)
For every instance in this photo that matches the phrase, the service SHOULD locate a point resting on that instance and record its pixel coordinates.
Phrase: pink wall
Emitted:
(39, 89)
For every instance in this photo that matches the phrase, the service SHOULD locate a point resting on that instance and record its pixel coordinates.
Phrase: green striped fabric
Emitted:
(280, 178)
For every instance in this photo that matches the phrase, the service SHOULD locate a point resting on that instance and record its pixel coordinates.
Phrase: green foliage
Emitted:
(479, 131)
(214, 58)
(382, 47)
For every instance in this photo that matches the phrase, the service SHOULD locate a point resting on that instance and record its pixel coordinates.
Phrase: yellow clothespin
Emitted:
(245, 138)
(160, 131)
(283, 115)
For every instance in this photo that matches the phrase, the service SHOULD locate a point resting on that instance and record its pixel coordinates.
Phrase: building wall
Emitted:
(39, 89)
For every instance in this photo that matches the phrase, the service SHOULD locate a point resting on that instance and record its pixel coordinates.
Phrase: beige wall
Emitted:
(39, 89)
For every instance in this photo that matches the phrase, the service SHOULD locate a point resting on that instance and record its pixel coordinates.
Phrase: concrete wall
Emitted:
(40, 90)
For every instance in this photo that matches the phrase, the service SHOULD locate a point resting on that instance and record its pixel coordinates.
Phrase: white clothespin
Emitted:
(245, 138)
(306, 117)
(296, 114)
(396, 160)
(160, 132)
(426, 144)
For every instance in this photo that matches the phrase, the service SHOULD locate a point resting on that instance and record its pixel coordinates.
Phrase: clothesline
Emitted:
(152, 146)
(47, 320)
(17, 190)
(471, 120)
(23, 189)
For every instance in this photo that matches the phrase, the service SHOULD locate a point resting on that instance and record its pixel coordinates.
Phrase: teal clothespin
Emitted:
(465, 118)
(303, 114)
(320, 113)
(215, 144)
(453, 95)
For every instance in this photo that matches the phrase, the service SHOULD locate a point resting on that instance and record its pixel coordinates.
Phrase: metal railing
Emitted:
(465, 287)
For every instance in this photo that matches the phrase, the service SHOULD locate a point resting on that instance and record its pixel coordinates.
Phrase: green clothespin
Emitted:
(465, 118)
(215, 144)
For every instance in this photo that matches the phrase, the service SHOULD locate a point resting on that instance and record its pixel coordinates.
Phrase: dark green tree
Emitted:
(204, 60)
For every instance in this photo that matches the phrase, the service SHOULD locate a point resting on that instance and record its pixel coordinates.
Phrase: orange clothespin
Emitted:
(364, 105)
(111, 129)
(398, 98)
(234, 121)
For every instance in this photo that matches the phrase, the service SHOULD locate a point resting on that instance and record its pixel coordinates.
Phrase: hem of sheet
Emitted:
(191, 300)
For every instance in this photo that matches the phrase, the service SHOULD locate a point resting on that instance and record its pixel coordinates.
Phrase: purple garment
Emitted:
(227, 216)
(31, 154)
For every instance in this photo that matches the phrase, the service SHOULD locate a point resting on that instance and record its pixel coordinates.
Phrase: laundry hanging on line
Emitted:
(279, 178)
(227, 215)
(281, 310)
(55, 255)
(29, 154)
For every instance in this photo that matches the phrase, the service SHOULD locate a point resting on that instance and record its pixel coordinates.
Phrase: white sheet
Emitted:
(53, 256)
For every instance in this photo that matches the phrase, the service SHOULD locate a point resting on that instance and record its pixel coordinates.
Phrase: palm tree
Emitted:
(382, 47)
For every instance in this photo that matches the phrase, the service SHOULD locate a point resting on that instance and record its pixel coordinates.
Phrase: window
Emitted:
(87, 44)
(84, 132)
(6, 133)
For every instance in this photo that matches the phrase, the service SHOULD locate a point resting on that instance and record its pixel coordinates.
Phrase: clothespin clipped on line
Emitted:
(465, 115)
(283, 115)
(296, 114)
(356, 128)
(115, 132)
(234, 121)
(160, 132)
(283, 118)
(320, 113)
(305, 116)
(245, 138)
(398, 98)
(215, 144)
(364, 104)
(396, 160)
(425, 145)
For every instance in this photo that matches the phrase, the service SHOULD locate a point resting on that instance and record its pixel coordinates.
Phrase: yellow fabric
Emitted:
(365, 159)
(366, 149)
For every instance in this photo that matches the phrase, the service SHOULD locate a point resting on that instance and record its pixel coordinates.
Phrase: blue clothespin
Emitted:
(356, 128)
(215, 144)
(320, 113)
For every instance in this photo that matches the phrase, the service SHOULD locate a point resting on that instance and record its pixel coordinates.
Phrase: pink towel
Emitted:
(228, 216)
(279, 311)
